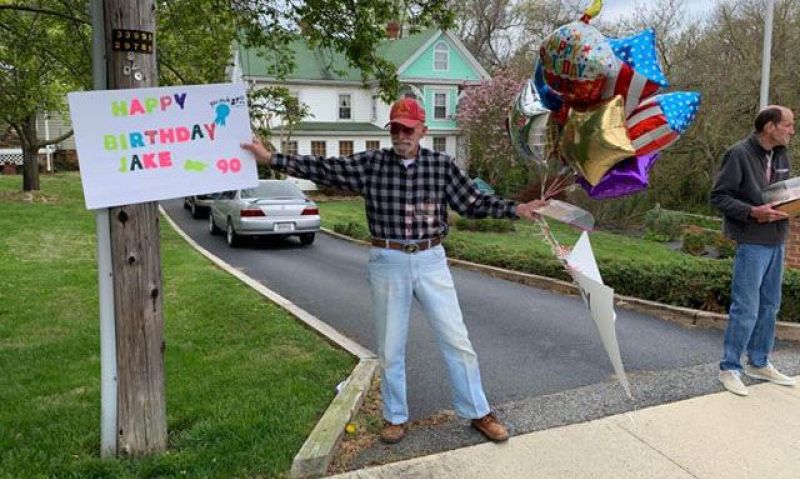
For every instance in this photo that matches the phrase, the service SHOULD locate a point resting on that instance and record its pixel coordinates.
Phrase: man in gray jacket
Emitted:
(759, 231)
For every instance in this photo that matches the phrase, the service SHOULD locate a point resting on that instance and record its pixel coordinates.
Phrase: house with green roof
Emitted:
(348, 115)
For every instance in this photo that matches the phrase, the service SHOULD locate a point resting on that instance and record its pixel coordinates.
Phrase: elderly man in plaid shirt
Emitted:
(407, 190)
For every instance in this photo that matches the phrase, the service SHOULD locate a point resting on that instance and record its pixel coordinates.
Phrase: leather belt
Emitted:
(407, 247)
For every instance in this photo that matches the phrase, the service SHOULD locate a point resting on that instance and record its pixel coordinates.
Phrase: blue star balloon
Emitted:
(639, 51)
(680, 108)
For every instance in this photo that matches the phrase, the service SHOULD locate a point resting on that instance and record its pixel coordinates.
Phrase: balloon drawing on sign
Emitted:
(223, 111)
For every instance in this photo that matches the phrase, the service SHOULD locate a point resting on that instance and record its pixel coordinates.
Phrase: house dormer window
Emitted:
(441, 57)
(344, 107)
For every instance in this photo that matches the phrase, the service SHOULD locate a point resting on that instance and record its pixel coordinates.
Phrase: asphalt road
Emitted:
(530, 342)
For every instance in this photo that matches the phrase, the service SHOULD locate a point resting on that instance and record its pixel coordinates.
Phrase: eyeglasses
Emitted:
(396, 129)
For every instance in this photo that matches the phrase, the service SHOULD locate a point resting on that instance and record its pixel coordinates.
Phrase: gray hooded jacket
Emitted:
(739, 184)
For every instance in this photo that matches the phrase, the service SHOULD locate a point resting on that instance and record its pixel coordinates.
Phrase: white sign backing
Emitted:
(152, 144)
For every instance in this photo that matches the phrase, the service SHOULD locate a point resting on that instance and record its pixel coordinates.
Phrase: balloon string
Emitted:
(559, 184)
(555, 247)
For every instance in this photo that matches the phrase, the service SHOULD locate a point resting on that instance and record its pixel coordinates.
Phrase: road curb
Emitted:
(316, 453)
(685, 316)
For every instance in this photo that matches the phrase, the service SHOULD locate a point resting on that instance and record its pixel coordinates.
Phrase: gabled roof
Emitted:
(320, 65)
(459, 46)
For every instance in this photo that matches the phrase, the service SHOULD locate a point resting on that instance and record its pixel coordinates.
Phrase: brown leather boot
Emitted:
(491, 427)
(393, 433)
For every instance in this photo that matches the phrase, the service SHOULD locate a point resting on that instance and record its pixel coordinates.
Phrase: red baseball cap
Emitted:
(407, 112)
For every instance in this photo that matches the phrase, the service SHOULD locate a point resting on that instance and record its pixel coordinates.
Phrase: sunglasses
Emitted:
(396, 129)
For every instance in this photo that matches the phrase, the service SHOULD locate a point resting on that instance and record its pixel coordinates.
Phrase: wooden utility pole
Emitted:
(135, 251)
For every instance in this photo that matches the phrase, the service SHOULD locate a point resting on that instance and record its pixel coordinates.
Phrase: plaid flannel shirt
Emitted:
(402, 203)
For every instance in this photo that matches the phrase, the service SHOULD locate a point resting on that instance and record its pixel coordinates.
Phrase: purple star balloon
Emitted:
(625, 178)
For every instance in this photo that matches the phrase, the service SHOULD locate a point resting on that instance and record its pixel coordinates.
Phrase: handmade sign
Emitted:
(152, 144)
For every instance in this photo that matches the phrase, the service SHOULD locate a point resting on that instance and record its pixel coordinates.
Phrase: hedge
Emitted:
(696, 283)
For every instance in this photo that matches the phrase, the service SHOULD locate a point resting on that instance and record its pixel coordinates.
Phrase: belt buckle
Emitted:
(410, 248)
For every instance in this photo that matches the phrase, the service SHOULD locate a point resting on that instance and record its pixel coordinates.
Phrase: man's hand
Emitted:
(262, 153)
(528, 210)
(766, 213)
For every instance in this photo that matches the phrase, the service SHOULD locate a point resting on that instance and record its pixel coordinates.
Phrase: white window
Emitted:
(318, 148)
(373, 144)
(344, 107)
(441, 57)
(345, 148)
(440, 106)
(440, 143)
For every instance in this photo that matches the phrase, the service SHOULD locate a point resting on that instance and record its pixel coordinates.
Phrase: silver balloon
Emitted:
(527, 125)
(528, 101)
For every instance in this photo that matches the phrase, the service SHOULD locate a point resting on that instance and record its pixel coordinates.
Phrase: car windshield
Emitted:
(273, 189)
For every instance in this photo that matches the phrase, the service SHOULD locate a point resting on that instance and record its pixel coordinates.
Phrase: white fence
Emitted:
(13, 156)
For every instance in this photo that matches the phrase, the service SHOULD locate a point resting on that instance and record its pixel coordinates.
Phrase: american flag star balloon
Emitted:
(660, 120)
(639, 74)
(639, 51)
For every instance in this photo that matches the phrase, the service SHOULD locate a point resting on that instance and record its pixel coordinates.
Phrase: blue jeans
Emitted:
(755, 300)
(395, 278)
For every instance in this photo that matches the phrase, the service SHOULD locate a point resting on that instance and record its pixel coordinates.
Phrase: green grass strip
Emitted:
(245, 382)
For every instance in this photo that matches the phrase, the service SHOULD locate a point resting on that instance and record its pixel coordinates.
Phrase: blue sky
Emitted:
(616, 8)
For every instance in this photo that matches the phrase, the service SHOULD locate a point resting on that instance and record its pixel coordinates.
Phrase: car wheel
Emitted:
(307, 238)
(195, 210)
(186, 203)
(212, 227)
(234, 239)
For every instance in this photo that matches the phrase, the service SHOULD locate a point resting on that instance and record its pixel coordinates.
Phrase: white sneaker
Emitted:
(733, 382)
(769, 373)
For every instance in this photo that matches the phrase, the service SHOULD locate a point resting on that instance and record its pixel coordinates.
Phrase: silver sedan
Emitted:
(273, 208)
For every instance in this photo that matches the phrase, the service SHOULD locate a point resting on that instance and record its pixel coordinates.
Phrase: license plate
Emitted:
(284, 226)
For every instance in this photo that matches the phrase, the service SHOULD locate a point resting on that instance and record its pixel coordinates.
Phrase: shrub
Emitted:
(694, 243)
(661, 223)
(724, 246)
(65, 160)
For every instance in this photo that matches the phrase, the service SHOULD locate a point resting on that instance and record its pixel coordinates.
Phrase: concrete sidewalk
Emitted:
(716, 436)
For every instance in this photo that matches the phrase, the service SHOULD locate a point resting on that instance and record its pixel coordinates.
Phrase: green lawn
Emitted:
(245, 382)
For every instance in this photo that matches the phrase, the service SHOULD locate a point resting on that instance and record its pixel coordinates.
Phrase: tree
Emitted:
(43, 55)
(487, 29)
(45, 45)
(482, 114)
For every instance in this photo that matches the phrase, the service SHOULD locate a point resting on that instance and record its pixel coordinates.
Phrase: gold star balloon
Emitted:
(595, 140)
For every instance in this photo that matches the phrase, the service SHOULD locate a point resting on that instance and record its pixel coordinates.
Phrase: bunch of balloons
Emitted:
(594, 102)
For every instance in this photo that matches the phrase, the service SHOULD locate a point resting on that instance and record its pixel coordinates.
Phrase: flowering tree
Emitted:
(482, 113)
